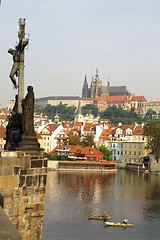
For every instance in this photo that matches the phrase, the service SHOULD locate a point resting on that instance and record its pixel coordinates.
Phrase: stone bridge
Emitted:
(22, 192)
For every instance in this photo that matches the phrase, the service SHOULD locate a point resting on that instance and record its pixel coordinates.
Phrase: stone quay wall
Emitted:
(22, 191)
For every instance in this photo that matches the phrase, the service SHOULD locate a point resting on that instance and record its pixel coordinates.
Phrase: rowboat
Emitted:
(99, 217)
(112, 224)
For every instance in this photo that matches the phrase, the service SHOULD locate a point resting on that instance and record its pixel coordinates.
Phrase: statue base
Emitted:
(29, 143)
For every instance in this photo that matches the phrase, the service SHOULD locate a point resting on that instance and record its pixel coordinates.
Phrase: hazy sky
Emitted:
(69, 38)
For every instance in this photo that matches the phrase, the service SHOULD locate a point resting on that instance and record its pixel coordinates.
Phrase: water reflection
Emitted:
(86, 186)
(71, 197)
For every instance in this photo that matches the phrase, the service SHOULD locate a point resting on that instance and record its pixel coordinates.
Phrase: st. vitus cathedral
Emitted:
(97, 90)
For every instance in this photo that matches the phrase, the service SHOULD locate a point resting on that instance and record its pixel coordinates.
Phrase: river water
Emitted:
(72, 196)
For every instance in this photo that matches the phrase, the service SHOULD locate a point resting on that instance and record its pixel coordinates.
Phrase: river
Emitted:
(72, 196)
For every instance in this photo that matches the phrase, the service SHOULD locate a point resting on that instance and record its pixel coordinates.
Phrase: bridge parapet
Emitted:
(22, 190)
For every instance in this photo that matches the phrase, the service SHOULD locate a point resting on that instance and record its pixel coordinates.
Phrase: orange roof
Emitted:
(126, 126)
(138, 98)
(38, 136)
(154, 102)
(50, 127)
(74, 149)
(138, 130)
(121, 98)
(68, 131)
(78, 124)
(105, 133)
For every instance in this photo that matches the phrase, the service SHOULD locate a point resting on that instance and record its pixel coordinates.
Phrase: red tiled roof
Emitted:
(38, 135)
(74, 149)
(154, 102)
(121, 98)
(138, 130)
(78, 124)
(138, 98)
(50, 127)
(105, 133)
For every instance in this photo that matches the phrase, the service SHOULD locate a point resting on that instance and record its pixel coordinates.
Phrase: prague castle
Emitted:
(101, 96)
(97, 90)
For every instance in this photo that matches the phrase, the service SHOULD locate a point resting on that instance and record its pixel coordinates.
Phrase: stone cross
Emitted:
(22, 39)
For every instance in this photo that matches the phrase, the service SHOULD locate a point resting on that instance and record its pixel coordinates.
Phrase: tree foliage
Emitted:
(88, 140)
(116, 115)
(57, 157)
(74, 139)
(152, 131)
(64, 111)
(148, 115)
(107, 153)
(89, 109)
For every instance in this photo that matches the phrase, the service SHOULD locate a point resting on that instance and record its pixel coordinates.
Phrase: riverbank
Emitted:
(103, 166)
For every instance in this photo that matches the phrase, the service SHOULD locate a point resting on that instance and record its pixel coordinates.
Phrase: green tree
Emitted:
(152, 131)
(107, 153)
(64, 111)
(116, 115)
(88, 140)
(57, 157)
(89, 109)
(74, 139)
(148, 115)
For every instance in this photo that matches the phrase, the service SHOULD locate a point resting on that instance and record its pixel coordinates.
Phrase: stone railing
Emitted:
(22, 190)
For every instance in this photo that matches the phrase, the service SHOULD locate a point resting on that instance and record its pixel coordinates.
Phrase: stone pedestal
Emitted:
(22, 191)
(29, 143)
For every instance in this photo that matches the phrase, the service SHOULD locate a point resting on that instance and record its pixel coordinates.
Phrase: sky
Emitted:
(70, 38)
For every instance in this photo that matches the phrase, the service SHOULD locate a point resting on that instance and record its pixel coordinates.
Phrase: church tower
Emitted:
(79, 116)
(85, 90)
(96, 85)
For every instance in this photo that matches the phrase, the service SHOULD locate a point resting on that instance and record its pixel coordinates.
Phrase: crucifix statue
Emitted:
(20, 133)
(17, 70)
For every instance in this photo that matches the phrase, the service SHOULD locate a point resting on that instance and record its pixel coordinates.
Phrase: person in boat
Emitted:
(105, 214)
(125, 221)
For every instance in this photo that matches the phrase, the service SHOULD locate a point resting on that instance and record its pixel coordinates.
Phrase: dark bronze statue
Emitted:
(28, 112)
(14, 129)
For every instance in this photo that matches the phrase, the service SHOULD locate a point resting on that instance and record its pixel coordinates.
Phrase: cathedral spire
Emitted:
(85, 93)
(97, 79)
